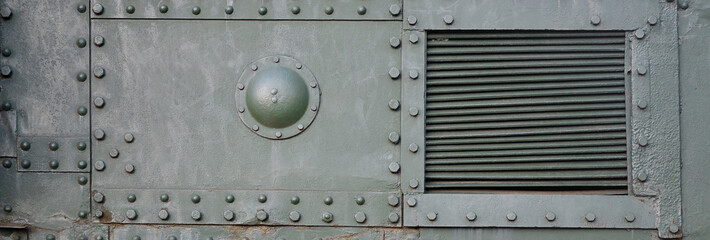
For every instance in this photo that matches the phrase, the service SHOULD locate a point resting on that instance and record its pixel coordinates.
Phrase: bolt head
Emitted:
(99, 72)
(6, 71)
(99, 41)
(295, 10)
(98, 9)
(295, 200)
(394, 167)
(6, 12)
(99, 134)
(590, 217)
(131, 214)
(395, 9)
(395, 42)
(642, 141)
(163, 214)
(81, 8)
(130, 9)
(328, 200)
(630, 217)
(98, 197)
(412, 20)
(642, 176)
(595, 20)
(128, 137)
(54, 164)
(327, 217)
(394, 105)
(431, 216)
(195, 198)
(413, 183)
(196, 10)
(113, 153)
(642, 104)
(99, 165)
(471, 216)
(99, 214)
(263, 11)
(411, 202)
(229, 10)
(550, 216)
(131, 197)
(511, 216)
(393, 217)
(196, 215)
(641, 70)
(413, 147)
(394, 137)
(262, 215)
(394, 73)
(294, 216)
(413, 111)
(163, 8)
(673, 228)
(99, 102)
(262, 198)
(229, 198)
(639, 34)
(361, 10)
(228, 215)
(652, 20)
(393, 200)
(448, 19)
(360, 200)
(25, 164)
(360, 217)
(414, 38)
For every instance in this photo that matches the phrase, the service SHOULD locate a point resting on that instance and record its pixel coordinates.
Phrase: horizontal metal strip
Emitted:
(524, 64)
(522, 86)
(532, 175)
(526, 94)
(537, 138)
(528, 49)
(527, 152)
(517, 159)
(526, 116)
(526, 184)
(503, 41)
(575, 165)
(594, 76)
(522, 34)
(526, 131)
(433, 114)
(524, 71)
(520, 146)
(515, 56)
(530, 101)
(527, 124)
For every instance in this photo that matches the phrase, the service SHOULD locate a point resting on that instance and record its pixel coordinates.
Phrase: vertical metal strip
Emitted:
(413, 111)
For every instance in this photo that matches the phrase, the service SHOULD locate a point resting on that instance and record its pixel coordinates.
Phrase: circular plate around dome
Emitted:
(277, 97)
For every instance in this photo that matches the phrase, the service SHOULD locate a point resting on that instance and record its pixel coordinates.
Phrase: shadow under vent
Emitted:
(539, 111)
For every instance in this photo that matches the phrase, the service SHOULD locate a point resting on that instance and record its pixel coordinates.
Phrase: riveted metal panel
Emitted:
(44, 59)
(413, 97)
(534, 234)
(54, 154)
(387, 10)
(517, 14)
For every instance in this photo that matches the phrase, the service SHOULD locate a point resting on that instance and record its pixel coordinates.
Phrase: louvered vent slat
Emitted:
(526, 111)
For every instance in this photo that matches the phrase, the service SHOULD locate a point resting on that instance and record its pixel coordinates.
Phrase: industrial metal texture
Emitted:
(340, 119)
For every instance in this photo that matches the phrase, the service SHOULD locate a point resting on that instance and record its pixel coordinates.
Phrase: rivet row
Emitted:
(98, 9)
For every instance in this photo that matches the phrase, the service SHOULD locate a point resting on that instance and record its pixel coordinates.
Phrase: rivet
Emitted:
(683, 5)
(313, 84)
(99, 165)
(262, 198)
(328, 200)
(82, 111)
(98, 197)
(511, 216)
(255, 127)
(7, 208)
(163, 214)
(99, 102)
(639, 33)
(99, 41)
(99, 72)
(295, 200)
(6, 71)
(413, 183)
(294, 216)
(131, 197)
(412, 20)
(196, 10)
(394, 73)
(411, 202)
(83, 214)
(229, 198)
(300, 127)
(81, 42)
(360, 200)
(395, 9)
(241, 109)
(196, 215)
(448, 19)
(6, 106)
(81, 8)
(254, 67)
(195, 198)
(413, 111)
(130, 9)
(262, 215)
(25, 145)
(98, 9)
(240, 86)
(394, 167)
(595, 20)
(278, 134)
(394, 104)
(413, 147)
(113, 153)
(99, 134)
(393, 217)
(361, 10)
(360, 217)
(431, 216)
(590, 217)
(6, 52)
(129, 168)
(131, 214)
(393, 200)
(274, 99)
(163, 8)
(652, 20)
(642, 141)
(630, 217)
(263, 11)
(54, 164)
(413, 38)
(164, 197)
(276, 60)
(299, 65)
(471, 216)
(314, 108)
(641, 70)
(327, 217)
(6, 12)
(49, 237)
(99, 214)
(228, 215)
(550, 216)
(53, 146)
(81, 146)
(7, 163)
(128, 137)
(81, 77)
(81, 164)
(395, 42)
(82, 180)
(229, 10)
(25, 164)
(673, 228)
(642, 104)
(642, 176)
(295, 10)
(328, 10)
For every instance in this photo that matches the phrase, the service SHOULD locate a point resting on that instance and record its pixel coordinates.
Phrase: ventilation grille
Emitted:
(540, 111)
